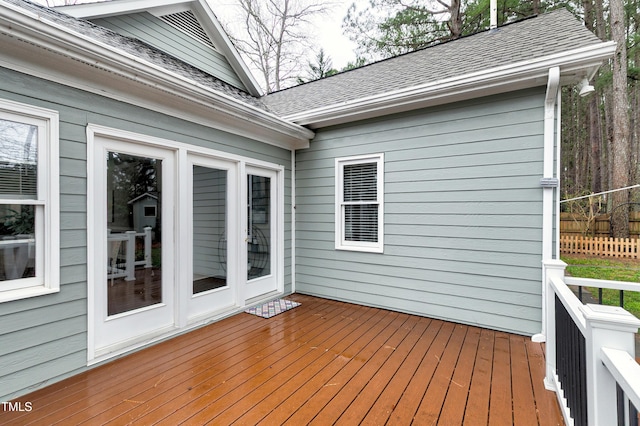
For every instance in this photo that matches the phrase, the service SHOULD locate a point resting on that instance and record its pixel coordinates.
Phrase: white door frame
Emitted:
(140, 324)
(274, 282)
(182, 228)
(193, 308)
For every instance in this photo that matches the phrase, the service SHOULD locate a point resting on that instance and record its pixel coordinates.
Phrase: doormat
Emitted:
(273, 308)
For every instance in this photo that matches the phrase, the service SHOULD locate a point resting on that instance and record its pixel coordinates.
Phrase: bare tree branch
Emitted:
(276, 33)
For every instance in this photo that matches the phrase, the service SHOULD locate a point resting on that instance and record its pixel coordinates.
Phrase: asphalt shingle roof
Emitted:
(542, 35)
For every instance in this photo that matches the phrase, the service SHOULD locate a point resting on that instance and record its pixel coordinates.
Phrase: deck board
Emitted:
(386, 404)
(349, 392)
(500, 403)
(454, 406)
(350, 362)
(477, 411)
(433, 400)
(523, 400)
(325, 362)
(364, 402)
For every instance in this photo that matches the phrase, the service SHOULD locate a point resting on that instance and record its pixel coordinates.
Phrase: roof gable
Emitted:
(187, 29)
(54, 46)
(511, 57)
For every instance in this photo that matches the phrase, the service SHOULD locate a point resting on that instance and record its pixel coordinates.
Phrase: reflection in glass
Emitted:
(18, 181)
(18, 160)
(209, 229)
(134, 240)
(17, 241)
(259, 238)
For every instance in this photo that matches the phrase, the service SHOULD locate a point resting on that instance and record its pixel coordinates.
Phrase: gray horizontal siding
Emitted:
(44, 339)
(463, 213)
(161, 35)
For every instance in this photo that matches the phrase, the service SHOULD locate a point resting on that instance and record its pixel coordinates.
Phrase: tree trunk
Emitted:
(455, 19)
(604, 97)
(620, 148)
(594, 134)
(535, 5)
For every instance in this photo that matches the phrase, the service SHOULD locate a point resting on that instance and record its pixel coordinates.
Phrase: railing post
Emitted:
(551, 268)
(147, 247)
(611, 327)
(131, 256)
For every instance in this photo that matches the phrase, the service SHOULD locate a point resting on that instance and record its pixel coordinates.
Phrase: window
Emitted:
(28, 201)
(359, 203)
(150, 211)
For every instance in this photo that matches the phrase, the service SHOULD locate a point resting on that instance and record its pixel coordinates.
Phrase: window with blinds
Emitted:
(359, 186)
(28, 207)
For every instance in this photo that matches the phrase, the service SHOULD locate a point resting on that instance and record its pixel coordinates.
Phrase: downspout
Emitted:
(293, 221)
(558, 195)
(493, 14)
(549, 182)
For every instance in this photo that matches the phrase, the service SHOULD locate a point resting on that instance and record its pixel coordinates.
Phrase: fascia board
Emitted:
(573, 64)
(112, 8)
(256, 123)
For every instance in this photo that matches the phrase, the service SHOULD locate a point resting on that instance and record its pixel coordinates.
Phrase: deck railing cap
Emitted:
(611, 317)
(554, 264)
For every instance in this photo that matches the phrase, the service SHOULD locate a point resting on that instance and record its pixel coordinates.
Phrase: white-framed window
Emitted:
(360, 203)
(29, 193)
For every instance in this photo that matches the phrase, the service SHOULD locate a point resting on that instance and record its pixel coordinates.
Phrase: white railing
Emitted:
(606, 335)
(17, 252)
(127, 239)
(626, 372)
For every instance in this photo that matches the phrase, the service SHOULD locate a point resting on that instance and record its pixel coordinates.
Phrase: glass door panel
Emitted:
(211, 245)
(259, 227)
(134, 232)
(209, 229)
(262, 227)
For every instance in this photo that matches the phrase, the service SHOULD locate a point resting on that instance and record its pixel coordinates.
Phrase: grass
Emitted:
(608, 269)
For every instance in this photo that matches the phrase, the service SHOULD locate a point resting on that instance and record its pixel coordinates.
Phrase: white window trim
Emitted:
(340, 242)
(47, 279)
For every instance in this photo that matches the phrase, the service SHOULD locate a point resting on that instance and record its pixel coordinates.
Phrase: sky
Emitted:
(328, 29)
(331, 38)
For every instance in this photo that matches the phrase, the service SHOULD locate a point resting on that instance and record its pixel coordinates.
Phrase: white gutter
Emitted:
(32, 28)
(524, 74)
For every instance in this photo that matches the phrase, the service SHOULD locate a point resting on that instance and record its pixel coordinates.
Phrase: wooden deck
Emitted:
(324, 362)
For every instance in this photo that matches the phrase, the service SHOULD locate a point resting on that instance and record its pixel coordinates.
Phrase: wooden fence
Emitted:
(600, 227)
(599, 246)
